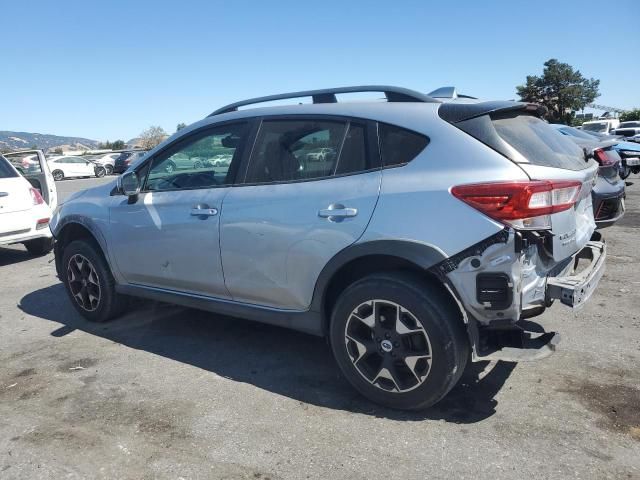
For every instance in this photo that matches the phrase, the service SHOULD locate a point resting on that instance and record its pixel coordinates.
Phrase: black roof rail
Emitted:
(328, 95)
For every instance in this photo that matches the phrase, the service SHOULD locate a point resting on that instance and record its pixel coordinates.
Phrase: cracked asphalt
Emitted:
(168, 392)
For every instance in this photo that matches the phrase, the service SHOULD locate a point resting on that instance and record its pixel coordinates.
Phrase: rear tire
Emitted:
(89, 282)
(109, 169)
(57, 175)
(39, 246)
(398, 340)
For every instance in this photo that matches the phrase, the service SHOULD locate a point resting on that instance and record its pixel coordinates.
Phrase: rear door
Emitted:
(34, 167)
(296, 210)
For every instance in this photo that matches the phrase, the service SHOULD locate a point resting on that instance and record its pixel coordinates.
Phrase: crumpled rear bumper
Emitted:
(574, 290)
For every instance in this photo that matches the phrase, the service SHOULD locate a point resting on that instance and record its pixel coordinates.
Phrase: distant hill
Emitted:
(16, 140)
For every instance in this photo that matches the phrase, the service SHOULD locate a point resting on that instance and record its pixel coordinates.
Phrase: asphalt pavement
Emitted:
(168, 392)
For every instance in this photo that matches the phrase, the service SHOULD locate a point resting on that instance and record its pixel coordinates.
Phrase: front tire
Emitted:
(89, 282)
(39, 246)
(100, 172)
(399, 340)
(170, 167)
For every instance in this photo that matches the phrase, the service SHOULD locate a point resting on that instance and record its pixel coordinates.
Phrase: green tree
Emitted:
(561, 89)
(630, 115)
(118, 145)
(180, 126)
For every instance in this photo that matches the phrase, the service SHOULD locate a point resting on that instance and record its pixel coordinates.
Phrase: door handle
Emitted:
(337, 212)
(203, 211)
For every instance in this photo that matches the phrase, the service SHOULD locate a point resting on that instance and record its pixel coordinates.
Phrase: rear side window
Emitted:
(539, 143)
(5, 169)
(399, 146)
(298, 150)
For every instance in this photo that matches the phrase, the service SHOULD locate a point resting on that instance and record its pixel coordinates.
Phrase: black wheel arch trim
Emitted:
(420, 254)
(86, 223)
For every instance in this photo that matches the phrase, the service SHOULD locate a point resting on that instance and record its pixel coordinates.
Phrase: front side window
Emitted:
(201, 161)
(298, 150)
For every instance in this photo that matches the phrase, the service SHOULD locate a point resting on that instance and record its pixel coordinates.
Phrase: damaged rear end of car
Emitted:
(548, 249)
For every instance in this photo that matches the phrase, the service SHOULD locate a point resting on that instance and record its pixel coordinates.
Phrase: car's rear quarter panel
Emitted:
(415, 201)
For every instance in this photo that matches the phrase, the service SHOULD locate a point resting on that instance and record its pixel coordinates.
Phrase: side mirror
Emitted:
(129, 184)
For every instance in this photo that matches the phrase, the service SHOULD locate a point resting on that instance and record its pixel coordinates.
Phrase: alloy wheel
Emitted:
(84, 283)
(388, 346)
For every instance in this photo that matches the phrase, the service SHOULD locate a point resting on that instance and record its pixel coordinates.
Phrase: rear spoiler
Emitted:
(459, 112)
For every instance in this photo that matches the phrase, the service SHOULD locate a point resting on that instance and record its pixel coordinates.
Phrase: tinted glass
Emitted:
(202, 161)
(595, 127)
(287, 150)
(574, 132)
(399, 146)
(5, 169)
(539, 143)
(629, 125)
(354, 156)
(25, 163)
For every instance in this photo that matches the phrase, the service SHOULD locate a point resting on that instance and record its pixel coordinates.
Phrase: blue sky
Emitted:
(108, 70)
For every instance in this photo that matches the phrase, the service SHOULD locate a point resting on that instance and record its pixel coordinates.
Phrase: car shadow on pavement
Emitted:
(282, 361)
(9, 256)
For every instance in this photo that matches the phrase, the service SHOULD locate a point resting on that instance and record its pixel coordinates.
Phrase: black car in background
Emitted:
(608, 193)
(125, 159)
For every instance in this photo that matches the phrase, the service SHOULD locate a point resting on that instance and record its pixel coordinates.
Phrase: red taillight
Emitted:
(603, 159)
(42, 223)
(36, 197)
(523, 204)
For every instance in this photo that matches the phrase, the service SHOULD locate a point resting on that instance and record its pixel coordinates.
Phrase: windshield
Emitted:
(5, 169)
(595, 127)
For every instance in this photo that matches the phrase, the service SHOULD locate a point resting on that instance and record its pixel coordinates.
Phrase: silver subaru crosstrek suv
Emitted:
(424, 242)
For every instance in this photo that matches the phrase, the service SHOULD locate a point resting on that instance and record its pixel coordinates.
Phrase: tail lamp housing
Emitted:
(524, 205)
(36, 197)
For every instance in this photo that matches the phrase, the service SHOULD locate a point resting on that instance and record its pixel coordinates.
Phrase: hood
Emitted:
(635, 147)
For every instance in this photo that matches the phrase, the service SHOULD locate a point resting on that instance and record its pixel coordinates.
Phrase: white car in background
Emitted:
(107, 161)
(64, 167)
(24, 213)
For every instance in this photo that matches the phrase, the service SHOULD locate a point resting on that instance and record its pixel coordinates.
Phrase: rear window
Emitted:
(399, 146)
(595, 127)
(539, 143)
(5, 169)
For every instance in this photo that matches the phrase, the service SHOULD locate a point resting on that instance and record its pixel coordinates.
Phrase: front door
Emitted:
(310, 189)
(169, 237)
